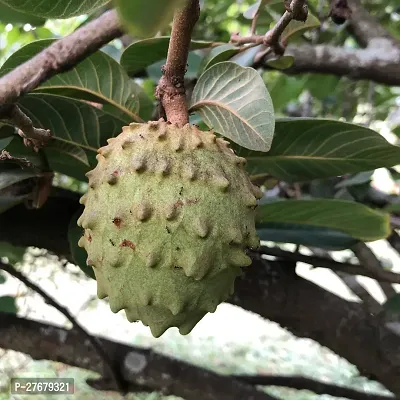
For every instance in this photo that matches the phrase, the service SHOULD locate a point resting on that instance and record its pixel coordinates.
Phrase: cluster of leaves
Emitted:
(93, 101)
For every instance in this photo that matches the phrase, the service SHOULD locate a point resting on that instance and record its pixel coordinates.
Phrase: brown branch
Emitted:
(59, 57)
(142, 368)
(353, 285)
(370, 262)
(322, 262)
(296, 11)
(394, 241)
(364, 27)
(318, 387)
(33, 137)
(378, 65)
(171, 88)
(255, 18)
(275, 292)
(113, 372)
(268, 288)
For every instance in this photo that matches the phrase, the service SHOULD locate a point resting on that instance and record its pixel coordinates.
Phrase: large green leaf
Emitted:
(8, 304)
(145, 18)
(78, 253)
(234, 101)
(54, 8)
(143, 53)
(10, 16)
(98, 78)
(353, 219)
(306, 235)
(306, 149)
(79, 129)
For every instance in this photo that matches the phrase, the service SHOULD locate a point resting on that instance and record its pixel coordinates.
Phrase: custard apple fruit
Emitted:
(168, 217)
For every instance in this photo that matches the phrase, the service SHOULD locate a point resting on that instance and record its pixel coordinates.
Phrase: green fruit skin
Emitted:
(168, 216)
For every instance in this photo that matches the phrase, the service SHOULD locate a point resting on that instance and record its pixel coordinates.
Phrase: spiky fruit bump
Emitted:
(168, 217)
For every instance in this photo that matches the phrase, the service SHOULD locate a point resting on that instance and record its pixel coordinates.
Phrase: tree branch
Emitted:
(142, 368)
(353, 285)
(270, 289)
(171, 88)
(370, 262)
(378, 65)
(322, 262)
(364, 27)
(59, 56)
(112, 370)
(33, 137)
(296, 11)
(274, 291)
(303, 383)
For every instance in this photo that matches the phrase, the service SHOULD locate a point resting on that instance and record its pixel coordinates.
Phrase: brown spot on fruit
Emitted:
(179, 203)
(192, 201)
(117, 222)
(128, 243)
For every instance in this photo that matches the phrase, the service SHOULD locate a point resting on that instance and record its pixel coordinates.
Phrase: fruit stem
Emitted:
(171, 89)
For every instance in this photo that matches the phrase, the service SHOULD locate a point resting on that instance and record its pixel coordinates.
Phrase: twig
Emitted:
(255, 18)
(141, 368)
(33, 137)
(296, 11)
(369, 301)
(93, 341)
(318, 387)
(370, 262)
(321, 262)
(171, 88)
(395, 222)
(60, 56)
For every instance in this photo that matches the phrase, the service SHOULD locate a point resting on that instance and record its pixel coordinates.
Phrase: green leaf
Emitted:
(78, 253)
(11, 173)
(281, 63)
(54, 9)
(393, 208)
(234, 101)
(305, 149)
(99, 78)
(306, 235)
(15, 254)
(218, 54)
(79, 129)
(251, 11)
(8, 304)
(2, 278)
(5, 142)
(357, 179)
(396, 131)
(297, 28)
(8, 201)
(143, 53)
(145, 18)
(353, 219)
(10, 16)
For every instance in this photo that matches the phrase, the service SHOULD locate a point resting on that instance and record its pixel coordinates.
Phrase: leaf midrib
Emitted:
(136, 117)
(199, 104)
